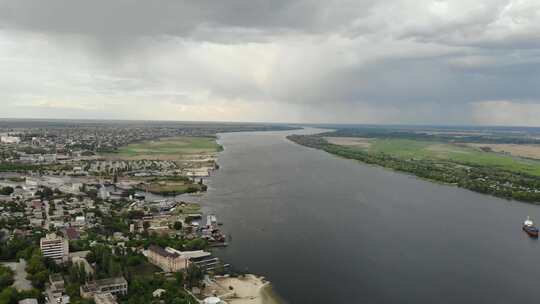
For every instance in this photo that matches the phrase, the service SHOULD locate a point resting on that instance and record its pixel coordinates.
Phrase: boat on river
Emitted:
(530, 228)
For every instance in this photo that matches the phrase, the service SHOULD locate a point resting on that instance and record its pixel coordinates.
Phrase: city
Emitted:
(269, 152)
(77, 225)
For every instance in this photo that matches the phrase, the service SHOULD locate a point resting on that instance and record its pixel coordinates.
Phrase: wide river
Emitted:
(329, 230)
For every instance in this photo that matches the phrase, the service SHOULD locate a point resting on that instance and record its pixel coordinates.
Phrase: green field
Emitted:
(413, 149)
(176, 146)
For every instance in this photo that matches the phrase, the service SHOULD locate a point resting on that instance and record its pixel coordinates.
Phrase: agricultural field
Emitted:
(350, 141)
(175, 148)
(454, 152)
(526, 151)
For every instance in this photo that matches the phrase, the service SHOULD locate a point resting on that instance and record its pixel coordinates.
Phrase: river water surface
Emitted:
(329, 230)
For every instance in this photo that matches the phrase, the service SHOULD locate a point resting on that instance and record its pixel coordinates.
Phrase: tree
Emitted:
(6, 277)
(194, 275)
(177, 225)
(6, 190)
(196, 244)
(92, 193)
(39, 279)
(45, 193)
(179, 278)
(37, 270)
(8, 296)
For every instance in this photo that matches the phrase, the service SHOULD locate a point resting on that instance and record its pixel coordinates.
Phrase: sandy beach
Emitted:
(248, 289)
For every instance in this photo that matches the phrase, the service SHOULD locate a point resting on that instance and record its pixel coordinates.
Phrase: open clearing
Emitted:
(167, 185)
(528, 151)
(358, 142)
(170, 188)
(175, 148)
(459, 153)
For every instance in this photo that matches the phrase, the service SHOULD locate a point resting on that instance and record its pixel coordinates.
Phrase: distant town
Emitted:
(92, 212)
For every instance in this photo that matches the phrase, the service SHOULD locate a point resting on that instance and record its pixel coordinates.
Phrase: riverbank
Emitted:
(291, 210)
(472, 176)
(247, 289)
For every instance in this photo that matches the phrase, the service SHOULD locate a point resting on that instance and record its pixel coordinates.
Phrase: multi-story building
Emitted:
(54, 247)
(172, 260)
(166, 260)
(6, 139)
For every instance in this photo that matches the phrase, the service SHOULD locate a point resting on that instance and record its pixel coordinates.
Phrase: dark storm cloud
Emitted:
(421, 60)
(106, 19)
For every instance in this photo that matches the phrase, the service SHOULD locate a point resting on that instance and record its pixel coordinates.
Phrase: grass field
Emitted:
(168, 185)
(168, 148)
(188, 208)
(404, 148)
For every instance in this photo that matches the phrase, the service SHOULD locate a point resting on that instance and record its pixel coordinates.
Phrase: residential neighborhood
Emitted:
(81, 223)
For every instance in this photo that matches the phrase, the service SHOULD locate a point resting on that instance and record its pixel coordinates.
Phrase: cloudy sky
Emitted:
(349, 61)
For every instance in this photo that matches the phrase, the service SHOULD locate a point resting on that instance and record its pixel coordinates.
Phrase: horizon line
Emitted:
(267, 122)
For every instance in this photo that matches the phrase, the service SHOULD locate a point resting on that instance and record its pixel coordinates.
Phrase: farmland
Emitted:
(175, 148)
(460, 160)
(455, 152)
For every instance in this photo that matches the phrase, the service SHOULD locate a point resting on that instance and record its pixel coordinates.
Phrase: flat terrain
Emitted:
(243, 290)
(168, 185)
(461, 153)
(528, 151)
(350, 141)
(175, 148)
(171, 188)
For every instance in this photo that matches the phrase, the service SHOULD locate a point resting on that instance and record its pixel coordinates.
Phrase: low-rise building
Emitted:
(6, 139)
(55, 291)
(115, 286)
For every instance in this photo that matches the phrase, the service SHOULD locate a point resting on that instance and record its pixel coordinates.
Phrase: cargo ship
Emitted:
(529, 228)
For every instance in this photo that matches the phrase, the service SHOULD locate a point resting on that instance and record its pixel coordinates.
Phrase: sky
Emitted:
(362, 61)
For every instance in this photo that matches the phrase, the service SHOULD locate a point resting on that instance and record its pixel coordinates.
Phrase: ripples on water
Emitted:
(330, 230)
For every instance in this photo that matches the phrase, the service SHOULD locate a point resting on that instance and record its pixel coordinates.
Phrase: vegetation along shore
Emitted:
(494, 162)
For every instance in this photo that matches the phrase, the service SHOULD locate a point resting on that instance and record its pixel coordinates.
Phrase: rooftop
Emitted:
(163, 252)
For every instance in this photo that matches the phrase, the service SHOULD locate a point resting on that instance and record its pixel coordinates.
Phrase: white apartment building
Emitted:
(55, 247)
(6, 139)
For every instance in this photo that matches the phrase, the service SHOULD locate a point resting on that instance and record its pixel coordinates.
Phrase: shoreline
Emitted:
(245, 289)
(467, 183)
(269, 296)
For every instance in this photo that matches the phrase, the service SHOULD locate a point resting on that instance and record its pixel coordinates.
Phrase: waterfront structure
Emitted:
(54, 247)
(172, 260)
(167, 260)
(114, 286)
